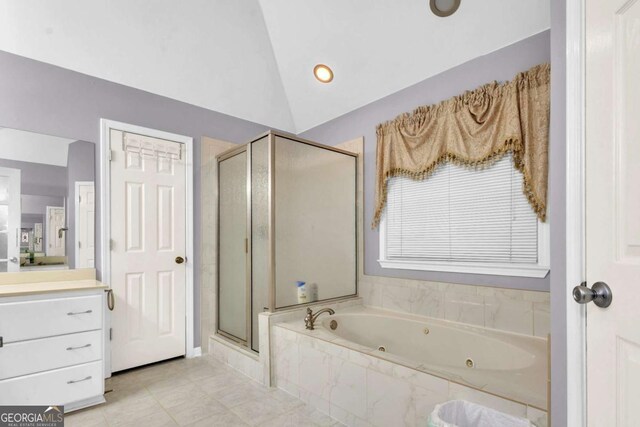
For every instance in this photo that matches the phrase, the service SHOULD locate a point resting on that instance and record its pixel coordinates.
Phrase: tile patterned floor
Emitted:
(195, 392)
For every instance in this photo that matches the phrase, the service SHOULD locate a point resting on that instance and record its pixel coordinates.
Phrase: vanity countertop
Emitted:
(49, 287)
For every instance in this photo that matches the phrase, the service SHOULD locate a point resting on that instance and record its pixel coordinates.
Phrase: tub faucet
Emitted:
(310, 318)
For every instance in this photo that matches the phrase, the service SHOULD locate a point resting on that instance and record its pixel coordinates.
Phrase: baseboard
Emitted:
(195, 352)
(85, 403)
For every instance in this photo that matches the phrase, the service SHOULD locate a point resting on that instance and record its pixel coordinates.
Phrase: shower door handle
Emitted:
(600, 293)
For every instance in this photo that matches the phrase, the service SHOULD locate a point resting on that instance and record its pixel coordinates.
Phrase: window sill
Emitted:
(516, 270)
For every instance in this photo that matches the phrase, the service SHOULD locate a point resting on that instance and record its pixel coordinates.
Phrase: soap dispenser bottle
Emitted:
(302, 293)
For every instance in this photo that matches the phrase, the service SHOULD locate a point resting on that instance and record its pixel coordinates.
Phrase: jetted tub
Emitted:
(506, 364)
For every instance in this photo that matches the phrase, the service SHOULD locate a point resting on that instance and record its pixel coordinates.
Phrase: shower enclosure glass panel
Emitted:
(315, 222)
(259, 233)
(232, 250)
(286, 213)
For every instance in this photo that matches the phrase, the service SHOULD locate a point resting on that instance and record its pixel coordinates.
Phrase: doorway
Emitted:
(84, 224)
(56, 229)
(9, 219)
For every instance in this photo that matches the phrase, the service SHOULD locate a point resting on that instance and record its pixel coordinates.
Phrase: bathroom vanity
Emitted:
(51, 339)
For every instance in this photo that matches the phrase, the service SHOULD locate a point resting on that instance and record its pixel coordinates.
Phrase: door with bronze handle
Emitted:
(600, 293)
(180, 260)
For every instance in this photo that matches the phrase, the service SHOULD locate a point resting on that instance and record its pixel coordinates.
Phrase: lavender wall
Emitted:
(43, 98)
(500, 65)
(38, 179)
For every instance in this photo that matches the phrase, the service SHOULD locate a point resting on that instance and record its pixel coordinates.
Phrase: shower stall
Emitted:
(286, 214)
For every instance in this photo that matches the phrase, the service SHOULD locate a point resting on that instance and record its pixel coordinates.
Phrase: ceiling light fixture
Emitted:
(444, 8)
(323, 73)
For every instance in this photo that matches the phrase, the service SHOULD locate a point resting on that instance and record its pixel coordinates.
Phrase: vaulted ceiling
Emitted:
(253, 59)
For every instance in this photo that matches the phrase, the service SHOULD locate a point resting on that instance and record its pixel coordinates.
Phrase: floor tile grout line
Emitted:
(161, 405)
(145, 391)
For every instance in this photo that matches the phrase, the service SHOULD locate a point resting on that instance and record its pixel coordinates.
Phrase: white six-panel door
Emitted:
(56, 236)
(85, 224)
(147, 217)
(613, 209)
(9, 219)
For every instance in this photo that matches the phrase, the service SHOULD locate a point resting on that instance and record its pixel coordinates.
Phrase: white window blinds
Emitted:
(462, 215)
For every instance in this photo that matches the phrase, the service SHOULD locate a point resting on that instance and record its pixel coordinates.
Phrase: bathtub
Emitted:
(508, 365)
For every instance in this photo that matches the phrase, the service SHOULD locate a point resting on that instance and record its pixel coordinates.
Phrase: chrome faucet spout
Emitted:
(310, 318)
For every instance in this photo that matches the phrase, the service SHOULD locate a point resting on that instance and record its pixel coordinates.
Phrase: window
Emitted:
(464, 220)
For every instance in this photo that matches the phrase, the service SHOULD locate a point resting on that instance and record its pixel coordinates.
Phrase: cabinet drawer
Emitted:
(29, 357)
(26, 320)
(58, 387)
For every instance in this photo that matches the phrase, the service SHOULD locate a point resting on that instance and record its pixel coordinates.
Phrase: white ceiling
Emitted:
(253, 59)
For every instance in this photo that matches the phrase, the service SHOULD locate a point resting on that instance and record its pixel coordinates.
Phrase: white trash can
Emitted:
(460, 413)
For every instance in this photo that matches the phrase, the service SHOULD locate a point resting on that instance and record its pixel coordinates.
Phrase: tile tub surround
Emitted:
(194, 392)
(231, 355)
(258, 366)
(357, 388)
(512, 310)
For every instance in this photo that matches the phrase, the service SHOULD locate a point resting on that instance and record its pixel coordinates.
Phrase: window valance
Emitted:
(473, 129)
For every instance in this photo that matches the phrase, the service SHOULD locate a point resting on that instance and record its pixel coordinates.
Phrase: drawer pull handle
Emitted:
(71, 313)
(77, 348)
(79, 381)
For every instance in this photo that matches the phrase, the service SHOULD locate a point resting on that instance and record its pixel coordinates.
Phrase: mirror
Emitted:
(47, 202)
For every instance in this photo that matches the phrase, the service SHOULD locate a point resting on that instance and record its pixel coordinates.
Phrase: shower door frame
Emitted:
(245, 148)
(271, 286)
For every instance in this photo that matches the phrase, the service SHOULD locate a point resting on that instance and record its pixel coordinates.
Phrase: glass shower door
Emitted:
(233, 292)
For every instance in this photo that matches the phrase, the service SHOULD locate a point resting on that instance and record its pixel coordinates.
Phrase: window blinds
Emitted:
(462, 215)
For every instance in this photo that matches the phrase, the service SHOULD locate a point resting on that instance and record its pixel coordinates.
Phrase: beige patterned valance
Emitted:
(473, 129)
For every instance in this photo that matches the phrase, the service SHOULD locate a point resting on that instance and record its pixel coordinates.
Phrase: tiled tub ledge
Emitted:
(241, 360)
(257, 366)
(359, 386)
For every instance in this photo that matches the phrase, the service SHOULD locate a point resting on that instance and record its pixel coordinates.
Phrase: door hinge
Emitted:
(110, 334)
(110, 155)
(1, 342)
(246, 246)
(79, 199)
(79, 245)
(111, 244)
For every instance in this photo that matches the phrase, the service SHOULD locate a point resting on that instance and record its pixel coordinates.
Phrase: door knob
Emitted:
(600, 293)
(179, 260)
(13, 260)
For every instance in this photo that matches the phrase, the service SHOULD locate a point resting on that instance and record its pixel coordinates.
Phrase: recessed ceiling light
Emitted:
(444, 8)
(323, 73)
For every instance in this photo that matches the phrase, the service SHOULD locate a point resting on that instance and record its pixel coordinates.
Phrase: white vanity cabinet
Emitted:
(52, 348)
